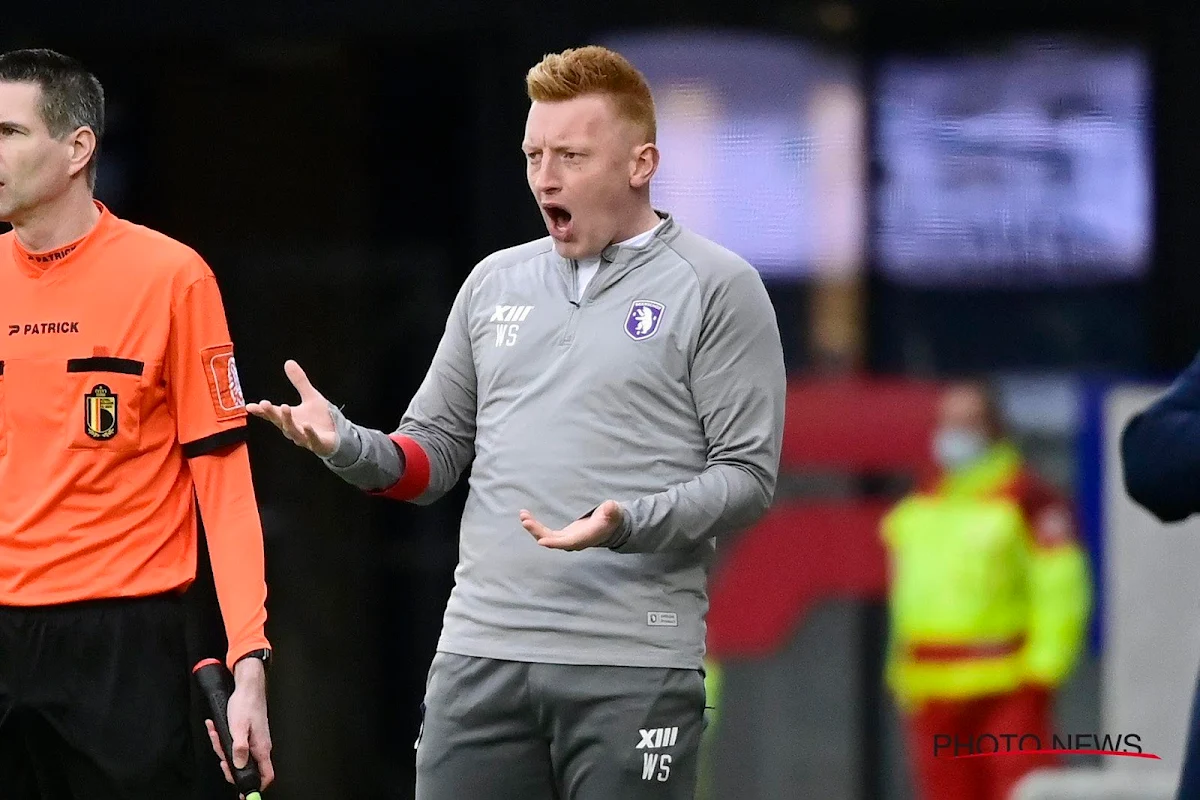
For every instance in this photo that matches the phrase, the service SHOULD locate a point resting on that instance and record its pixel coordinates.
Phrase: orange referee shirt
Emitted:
(119, 407)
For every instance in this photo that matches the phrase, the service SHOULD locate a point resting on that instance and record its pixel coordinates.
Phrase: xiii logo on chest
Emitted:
(507, 319)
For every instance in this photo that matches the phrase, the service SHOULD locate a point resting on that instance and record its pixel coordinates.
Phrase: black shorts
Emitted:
(95, 701)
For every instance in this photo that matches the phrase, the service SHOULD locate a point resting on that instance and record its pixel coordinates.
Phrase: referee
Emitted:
(119, 406)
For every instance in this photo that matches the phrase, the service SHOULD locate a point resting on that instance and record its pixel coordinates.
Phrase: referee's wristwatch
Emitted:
(263, 655)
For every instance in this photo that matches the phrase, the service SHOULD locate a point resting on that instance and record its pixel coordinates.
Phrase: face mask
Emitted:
(955, 448)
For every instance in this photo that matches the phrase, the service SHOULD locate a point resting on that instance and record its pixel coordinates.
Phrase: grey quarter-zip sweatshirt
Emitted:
(662, 388)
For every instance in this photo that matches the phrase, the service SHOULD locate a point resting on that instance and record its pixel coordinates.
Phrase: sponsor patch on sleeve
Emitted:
(220, 369)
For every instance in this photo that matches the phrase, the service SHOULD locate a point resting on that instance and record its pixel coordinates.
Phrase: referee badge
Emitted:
(224, 385)
(100, 413)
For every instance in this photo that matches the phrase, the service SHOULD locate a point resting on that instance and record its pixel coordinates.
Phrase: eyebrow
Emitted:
(562, 147)
(16, 126)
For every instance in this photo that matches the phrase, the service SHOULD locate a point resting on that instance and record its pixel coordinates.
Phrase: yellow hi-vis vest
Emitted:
(977, 606)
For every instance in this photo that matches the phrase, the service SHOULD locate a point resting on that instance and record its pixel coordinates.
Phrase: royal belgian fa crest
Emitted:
(100, 413)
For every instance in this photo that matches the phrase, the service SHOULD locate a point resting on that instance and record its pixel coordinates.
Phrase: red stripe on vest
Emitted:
(961, 652)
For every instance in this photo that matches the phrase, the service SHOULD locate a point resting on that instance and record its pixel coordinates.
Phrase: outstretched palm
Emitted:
(591, 531)
(309, 424)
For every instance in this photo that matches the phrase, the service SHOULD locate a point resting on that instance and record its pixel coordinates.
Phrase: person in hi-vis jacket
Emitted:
(989, 601)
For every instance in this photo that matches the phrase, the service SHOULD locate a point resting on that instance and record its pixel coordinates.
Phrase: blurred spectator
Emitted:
(989, 600)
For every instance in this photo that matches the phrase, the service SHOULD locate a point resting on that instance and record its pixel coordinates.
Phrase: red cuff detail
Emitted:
(416, 471)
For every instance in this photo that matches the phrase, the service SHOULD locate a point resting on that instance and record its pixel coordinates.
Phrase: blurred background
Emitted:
(930, 188)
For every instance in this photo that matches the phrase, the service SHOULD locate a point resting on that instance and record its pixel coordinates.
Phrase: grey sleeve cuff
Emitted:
(621, 535)
(364, 457)
(349, 445)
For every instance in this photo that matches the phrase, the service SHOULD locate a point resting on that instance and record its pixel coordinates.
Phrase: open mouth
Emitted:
(558, 219)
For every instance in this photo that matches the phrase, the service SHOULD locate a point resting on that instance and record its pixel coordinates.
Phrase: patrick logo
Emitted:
(643, 320)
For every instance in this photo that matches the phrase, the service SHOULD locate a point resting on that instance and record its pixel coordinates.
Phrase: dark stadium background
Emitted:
(342, 166)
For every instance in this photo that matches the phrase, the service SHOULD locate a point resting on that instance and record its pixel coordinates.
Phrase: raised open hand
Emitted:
(309, 424)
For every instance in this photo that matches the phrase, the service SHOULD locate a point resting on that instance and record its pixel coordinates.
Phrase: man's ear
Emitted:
(644, 165)
(83, 149)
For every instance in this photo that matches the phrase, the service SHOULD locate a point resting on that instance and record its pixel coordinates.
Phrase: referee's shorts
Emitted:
(95, 701)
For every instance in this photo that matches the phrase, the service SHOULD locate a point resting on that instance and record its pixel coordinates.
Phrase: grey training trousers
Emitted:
(507, 730)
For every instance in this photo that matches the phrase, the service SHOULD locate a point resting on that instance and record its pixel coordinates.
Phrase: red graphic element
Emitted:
(806, 552)
(859, 425)
(796, 557)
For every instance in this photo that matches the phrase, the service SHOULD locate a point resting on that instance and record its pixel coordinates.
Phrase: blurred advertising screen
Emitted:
(762, 142)
(1026, 164)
